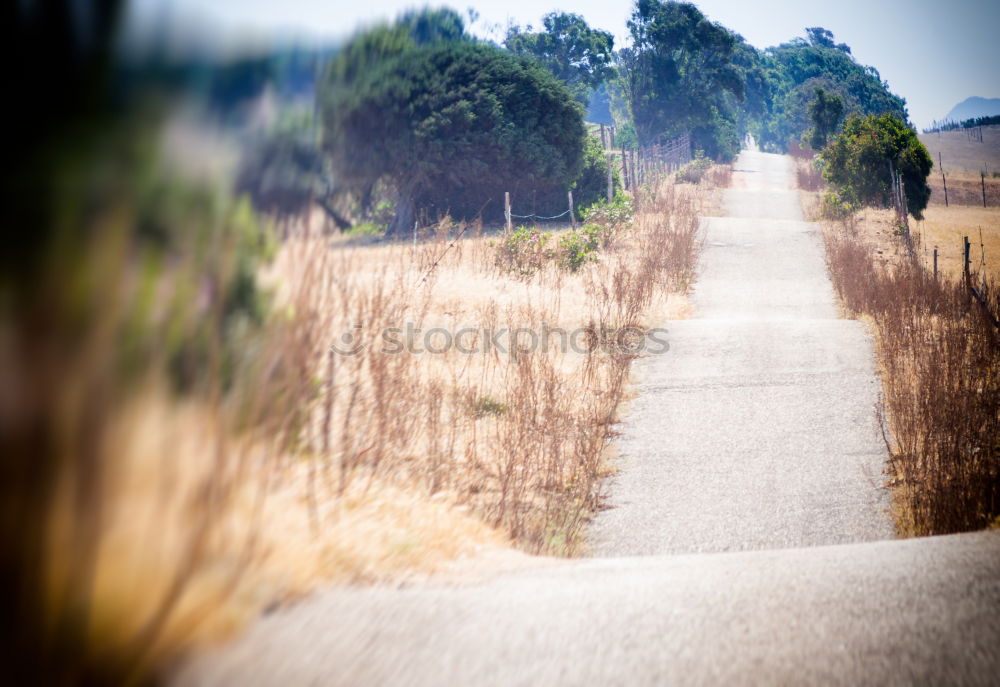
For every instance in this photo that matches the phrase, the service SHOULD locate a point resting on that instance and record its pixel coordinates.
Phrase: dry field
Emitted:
(941, 227)
(962, 155)
(386, 458)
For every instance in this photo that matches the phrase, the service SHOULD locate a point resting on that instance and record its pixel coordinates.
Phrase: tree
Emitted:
(284, 173)
(575, 53)
(449, 125)
(679, 66)
(592, 183)
(825, 111)
(858, 162)
(795, 69)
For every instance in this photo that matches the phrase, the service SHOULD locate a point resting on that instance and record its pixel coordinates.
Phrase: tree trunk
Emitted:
(402, 224)
(337, 218)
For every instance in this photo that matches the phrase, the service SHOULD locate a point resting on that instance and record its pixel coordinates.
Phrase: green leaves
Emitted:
(451, 124)
(576, 54)
(857, 162)
(793, 71)
(678, 71)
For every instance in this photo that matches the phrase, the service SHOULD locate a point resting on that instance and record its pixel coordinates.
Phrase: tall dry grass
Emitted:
(151, 521)
(512, 433)
(940, 359)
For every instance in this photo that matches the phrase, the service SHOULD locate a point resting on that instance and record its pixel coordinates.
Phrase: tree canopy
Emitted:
(857, 162)
(794, 71)
(575, 53)
(826, 112)
(678, 69)
(450, 125)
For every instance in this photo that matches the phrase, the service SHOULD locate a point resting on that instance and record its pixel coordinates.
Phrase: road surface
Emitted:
(756, 430)
(743, 545)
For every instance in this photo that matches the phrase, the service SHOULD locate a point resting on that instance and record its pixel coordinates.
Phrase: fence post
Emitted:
(611, 189)
(944, 182)
(982, 178)
(625, 170)
(604, 139)
(935, 263)
(965, 260)
(506, 209)
(572, 217)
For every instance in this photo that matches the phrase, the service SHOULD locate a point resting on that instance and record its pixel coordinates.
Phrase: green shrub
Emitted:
(487, 405)
(611, 217)
(366, 229)
(857, 163)
(834, 207)
(579, 247)
(523, 251)
(694, 171)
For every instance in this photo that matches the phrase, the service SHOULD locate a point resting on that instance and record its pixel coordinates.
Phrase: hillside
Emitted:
(960, 153)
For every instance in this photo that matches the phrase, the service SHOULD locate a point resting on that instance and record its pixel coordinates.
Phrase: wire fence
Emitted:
(638, 166)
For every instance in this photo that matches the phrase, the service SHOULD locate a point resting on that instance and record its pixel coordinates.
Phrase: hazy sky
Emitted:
(933, 54)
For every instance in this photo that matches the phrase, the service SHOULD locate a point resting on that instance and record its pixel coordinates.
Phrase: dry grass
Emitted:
(174, 519)
(943, 228)
(513, 436)
(940, 369)
(964, 189)
(807, 176)
(960, 154)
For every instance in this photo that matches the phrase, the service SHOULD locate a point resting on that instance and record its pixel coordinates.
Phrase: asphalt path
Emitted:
(756, 429)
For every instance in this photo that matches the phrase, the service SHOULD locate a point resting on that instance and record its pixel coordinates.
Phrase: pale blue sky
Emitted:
(933, 54)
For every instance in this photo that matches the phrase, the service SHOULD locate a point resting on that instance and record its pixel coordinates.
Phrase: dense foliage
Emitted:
(576, 54)
(825, 112)
(794, 71)
(449, 124)
(677, 72)
(858, 162)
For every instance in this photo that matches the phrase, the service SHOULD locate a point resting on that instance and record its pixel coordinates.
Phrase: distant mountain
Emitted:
(974, 107)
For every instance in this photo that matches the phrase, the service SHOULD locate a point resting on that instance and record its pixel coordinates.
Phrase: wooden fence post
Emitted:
(572, 217)
(604, 140)
(506, 209)
(935, 263)
(965, 260)
(982, 178)
(625, 170)
(611, 189)
(944, 182)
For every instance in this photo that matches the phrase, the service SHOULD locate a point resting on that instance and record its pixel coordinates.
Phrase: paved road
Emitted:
(757, 429)
(765, 356)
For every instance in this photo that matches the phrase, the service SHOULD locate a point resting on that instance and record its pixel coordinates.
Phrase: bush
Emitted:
(523, 251)
(611, 217)
(579, 247)
(692, 172)
(833, 207)
(592, 183)
(857, 163)
(366, 229)
(618, 213)
(448, 125)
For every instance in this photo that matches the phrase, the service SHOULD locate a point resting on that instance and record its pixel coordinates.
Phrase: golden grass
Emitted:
(944, 228)
(315, 468)
(939, 359)
(960, 154)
